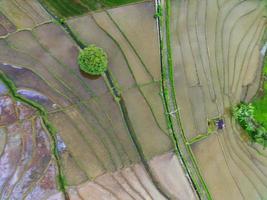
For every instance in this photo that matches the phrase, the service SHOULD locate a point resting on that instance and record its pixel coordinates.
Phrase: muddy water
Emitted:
(27, 168)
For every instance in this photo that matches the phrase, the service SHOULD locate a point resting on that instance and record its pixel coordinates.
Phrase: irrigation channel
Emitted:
(163, 8)
(118, 98)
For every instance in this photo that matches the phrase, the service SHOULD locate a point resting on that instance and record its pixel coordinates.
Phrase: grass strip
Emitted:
(65, 8)
(198, 138)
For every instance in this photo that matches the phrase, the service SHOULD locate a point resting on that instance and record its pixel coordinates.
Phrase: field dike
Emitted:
(51, 129)
(168, 92)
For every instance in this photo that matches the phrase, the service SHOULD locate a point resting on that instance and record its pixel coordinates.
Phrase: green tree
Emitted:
(93, 60)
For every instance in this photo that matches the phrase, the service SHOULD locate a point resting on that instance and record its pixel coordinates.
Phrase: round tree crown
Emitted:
(93, 60)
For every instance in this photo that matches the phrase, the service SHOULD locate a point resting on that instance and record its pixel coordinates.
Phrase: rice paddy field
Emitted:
(217, 63)
(67, 135)
(95, 150)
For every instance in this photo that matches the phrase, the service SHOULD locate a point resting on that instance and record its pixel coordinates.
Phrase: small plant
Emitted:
(158, 14)
(244, 114)
(59, 21)
(93, 60)
(62, 21)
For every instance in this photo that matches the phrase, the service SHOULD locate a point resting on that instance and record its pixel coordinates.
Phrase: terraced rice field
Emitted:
(95, 146)
(216, 61)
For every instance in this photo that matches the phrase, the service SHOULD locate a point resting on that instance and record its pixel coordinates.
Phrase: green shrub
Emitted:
(243, 111)
(93, 60)
(244, 114)
(159, 12)
(62, 21)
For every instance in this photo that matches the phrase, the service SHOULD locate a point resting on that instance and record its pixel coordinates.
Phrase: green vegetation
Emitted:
(260, 103)
(211, 129)
(244, 114)
(158, 13)
(253, 117)
(68, 8)
(93, 60)
(65, 8)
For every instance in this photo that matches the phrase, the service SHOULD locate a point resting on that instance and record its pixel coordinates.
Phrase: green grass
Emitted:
(65, 8)
(68, 8)
(244, 114)
(117, 2)
(260, 103)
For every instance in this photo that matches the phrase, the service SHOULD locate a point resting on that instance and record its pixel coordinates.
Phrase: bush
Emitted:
(159, 12)
(93, 60)
(244, 114)
(243, 111)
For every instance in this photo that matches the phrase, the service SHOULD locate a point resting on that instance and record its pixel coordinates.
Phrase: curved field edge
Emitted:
(51, 129)
(172, 110)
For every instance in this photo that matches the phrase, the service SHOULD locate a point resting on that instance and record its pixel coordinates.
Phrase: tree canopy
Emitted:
(93, 60)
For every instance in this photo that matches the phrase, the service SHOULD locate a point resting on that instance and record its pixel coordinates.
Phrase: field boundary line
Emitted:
(183, 151)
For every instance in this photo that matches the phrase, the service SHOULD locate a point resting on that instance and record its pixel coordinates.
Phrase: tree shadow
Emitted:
(88, 76)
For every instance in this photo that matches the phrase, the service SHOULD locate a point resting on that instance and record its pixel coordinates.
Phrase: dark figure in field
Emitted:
(220, 124)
